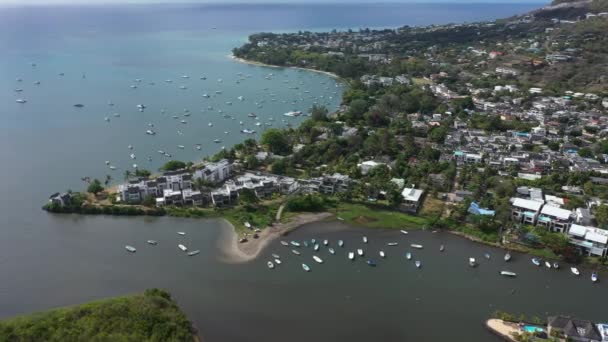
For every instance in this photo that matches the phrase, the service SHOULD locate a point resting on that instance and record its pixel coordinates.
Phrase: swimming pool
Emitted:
(533, 329)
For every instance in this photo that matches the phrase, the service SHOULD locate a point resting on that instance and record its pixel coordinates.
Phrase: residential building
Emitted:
(525, 211)
(554, 218)
(590, 240)
(412, 198)
(573, 329)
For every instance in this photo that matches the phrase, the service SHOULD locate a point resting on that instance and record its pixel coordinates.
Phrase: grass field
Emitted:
(377, 217)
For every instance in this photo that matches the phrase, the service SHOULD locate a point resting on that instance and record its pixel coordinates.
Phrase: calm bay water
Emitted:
(46, 145)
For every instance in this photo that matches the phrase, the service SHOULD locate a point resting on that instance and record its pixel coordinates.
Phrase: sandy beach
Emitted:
(235, 252)
(241, 60)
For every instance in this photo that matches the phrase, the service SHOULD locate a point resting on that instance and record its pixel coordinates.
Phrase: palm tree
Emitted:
(127, 175)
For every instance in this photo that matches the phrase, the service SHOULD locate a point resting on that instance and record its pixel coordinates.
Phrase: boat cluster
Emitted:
(538, 262)
(181, 246)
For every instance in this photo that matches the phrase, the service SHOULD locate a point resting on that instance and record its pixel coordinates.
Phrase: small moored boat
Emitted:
(351, 255)
(360, 252)
(193, 253)
(325, 242)
(536, 261)
(574, 271)
(284, 243)
(316, 247)
(418, 263)
(182, 247)
(594, 277)
(341, 243)
(295, 244)
(317, 259)
(331, 250)
(507, 257)
(508, 273)
(472, 262)
(414, 245)
(371, 263)
(152, 242)
(181, 233)
(441, 248)
(487, 256)
(276, 256)
(392, 244)
(306, 268)
(365, 239)
(382, 255)
(408, 256)
(295, 252)
(404, 232)
(277, 261)
(547, 264)
(270, 264)
(555, 265)
(130, 249)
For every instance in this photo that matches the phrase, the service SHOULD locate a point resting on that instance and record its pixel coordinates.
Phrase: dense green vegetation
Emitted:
(173, 165)
(152, 316)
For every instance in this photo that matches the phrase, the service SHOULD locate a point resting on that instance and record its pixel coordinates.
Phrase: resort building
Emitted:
(214, 172)
(554, 218)
(525, 211)
(590, 240)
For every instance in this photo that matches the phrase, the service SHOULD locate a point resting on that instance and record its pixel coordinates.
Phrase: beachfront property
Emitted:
(554, 218)
(214, 172)
(60, 199)
(525, 211)
(412, 199)
(574, 329)
(590, 240)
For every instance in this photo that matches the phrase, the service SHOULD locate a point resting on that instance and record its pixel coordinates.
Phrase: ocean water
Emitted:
(47, 145)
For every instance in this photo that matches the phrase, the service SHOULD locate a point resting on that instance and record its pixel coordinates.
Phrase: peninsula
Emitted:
(493, 130)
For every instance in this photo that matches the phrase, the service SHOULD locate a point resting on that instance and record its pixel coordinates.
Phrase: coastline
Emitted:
(235, 252)
(246, 61)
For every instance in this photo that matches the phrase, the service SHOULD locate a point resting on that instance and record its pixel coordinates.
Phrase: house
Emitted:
(367, 166)
(554, 218)
(506, 71)
(60, 199)
(590, 240)
(412, 198)
(573, 329)
(525, 211)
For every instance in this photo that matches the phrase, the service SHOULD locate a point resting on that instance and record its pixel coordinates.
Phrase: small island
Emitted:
(151, 316)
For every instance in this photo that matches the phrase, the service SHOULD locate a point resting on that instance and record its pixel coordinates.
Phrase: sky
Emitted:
(82, 2)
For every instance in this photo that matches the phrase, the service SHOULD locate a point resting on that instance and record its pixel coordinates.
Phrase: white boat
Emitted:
(270, 264)
(181, 147)
(325, 242)
(217, 141)
(548, 264)
(152, 242)
(276, 256)
(472, 262)
(382, 255)
(508, 273)
(277, 261)
(317, 259)
(130, 249)
(193, 253)
(284, 243)
(351, 255)
(340, 243)
(331, 250)
(365, 239)
(306, 268)
(575, 271)
(21, 101)
(392, 244)
(182, 247)
(536, 261)
(416, 246)
(360, 252)
(132, 156)
(247, 131)
(404, 232)
(408, 256)
(295, 243)
(418, 263)
(181, 233)
(295, 252)
(507, 257)
(150, 132)
(441, 248)
(594, 277)
(316, 247)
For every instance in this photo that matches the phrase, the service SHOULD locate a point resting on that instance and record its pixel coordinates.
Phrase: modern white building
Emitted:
(554, 218)
(412, 198)
(591, 240)
(525, 211)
